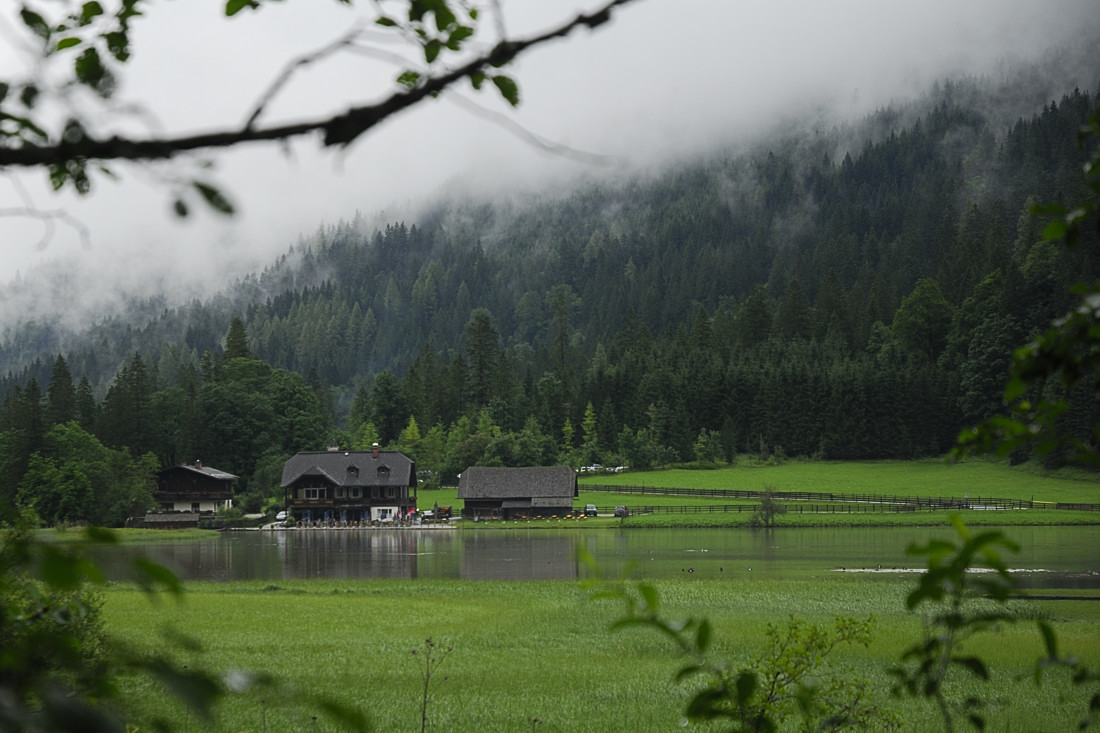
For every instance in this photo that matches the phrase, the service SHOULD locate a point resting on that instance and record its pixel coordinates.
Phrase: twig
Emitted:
(338, 130)
(526, 135)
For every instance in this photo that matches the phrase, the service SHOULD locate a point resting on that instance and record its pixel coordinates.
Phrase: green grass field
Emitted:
(924, 478)
(542, 651)
(539, 655)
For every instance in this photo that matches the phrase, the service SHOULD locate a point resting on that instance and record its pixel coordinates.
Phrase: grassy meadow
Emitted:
(925, 478)
(929, 478)
(538, 655)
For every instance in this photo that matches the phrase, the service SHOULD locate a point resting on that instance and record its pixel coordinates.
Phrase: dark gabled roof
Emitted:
(481, 482)
(207, 471)
(334, 465)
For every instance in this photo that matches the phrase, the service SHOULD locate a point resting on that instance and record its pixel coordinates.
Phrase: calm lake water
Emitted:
(1049, 557)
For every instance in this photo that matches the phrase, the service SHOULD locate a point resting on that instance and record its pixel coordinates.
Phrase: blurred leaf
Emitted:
(745, 685)
(409, 79)
(197, 689)
(91, 72)
(974, 664)
(67, 43)
(214, 197)
(232, 7)
(649, 596)
(1050, 641)
(151, 574)
(432, 49)
(35, 22)
(28, 95)
(508, 89)
(101, 535)
(689, 670)
(89, 11)
(1054, 230)
(703, 636)
(705, 704)
(118, 44)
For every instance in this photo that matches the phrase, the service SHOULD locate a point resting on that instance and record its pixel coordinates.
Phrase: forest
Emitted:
(846, 294)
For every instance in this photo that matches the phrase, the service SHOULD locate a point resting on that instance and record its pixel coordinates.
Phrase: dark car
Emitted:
(622, 511)
(589, 510)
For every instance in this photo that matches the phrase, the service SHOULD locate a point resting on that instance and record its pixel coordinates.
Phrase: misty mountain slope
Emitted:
(857, 215)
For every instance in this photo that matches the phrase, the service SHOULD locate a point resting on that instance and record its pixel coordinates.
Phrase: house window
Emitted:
(390, 492)
(339, 492)
(313, 493)
(355, 492)
(194, 506)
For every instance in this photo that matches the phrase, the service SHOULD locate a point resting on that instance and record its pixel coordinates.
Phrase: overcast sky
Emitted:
(666, 77)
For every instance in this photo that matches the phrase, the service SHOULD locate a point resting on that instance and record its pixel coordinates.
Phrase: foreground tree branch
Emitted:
(338, 130)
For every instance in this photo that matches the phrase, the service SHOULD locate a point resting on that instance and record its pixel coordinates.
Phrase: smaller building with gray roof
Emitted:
(515, 493)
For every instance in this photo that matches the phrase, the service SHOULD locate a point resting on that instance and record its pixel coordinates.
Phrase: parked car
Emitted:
(281, 516)
(589, 510)
(622, 511)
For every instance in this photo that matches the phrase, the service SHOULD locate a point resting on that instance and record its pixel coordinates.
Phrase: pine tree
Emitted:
(236, 341)
(61, 394)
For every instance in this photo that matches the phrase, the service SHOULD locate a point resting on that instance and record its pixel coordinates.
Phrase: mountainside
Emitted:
(847, 293)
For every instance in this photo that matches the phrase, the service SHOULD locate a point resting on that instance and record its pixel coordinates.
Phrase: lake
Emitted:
(1056, 557)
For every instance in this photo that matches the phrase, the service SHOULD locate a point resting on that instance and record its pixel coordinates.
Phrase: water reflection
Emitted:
(1050, 556)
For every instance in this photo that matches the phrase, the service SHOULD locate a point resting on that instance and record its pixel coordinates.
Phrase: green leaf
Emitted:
(28, 95)
(89, 11)
(214, 198)
(650, 596)
(703, 636)
(197, 689)
(118, 44)
(35, 22)
(1050, 641)
(432, 49)
(689, 670)
(460, 34)
(409, 79)
(745, 685)
(386, 22)
(508, 89)
(91, 72)
(101, 535)
(974, 664)
(67, 43)
(179, 208)
(151, 574)
(1055, 230)
(232, 7)
(706, 705)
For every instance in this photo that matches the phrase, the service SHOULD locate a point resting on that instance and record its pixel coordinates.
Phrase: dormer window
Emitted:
(352, 474)
(383, 472)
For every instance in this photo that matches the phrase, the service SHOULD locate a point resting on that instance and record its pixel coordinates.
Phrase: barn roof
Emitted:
(483, 482)
(207, 471)
(351, 468)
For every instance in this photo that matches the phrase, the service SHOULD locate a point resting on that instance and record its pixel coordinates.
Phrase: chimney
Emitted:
(198, 464)
(374, 450)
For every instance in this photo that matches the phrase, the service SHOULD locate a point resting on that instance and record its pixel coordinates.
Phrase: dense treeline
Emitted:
(791, 301)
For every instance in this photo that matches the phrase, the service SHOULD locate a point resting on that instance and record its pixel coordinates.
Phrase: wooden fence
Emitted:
(884, 502)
